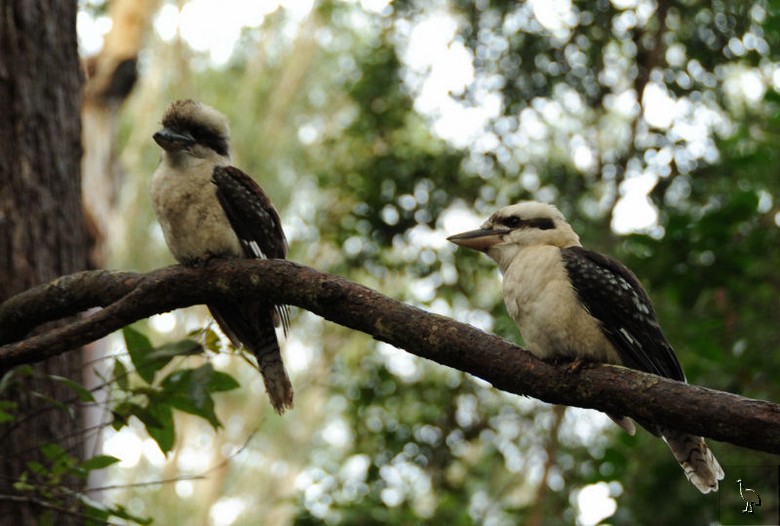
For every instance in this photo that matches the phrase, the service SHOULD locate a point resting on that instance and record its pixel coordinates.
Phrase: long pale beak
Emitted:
(481, 239)
(170, 140)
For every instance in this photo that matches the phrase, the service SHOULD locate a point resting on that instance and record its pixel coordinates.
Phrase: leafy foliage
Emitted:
(45, 484)
(153, 401)
(145, 392)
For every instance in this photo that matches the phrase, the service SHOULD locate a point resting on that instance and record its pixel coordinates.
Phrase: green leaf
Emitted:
(53, 451)
(22, 484)
(135, 340)
(171, 350)
(189, 390)
(120, 375)
(176, 382)
(159, 423)
(36, 467)
(123, 411)
(98, 514)
(149, 360)
(138, 346)
(95, 515)
(83, 393)
(213, 343)
(99, 462)
(147, 416)
(189, 382)
(220, 381)
(199, 386)
(204, 410)
(6, 411)
(24, 370)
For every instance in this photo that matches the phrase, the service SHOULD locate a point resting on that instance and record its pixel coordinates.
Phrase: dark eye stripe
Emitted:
(542, 223)
(204, 135)
(511, 221)
(213, 141)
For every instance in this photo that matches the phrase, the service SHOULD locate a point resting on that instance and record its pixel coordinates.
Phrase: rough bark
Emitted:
(41, 221)
(127, 297)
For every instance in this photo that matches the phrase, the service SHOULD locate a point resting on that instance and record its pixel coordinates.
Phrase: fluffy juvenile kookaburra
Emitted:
(210, 209)
(573, 303)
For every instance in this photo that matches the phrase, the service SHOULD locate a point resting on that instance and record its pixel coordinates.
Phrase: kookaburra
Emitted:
(210, 209)
(571, 302)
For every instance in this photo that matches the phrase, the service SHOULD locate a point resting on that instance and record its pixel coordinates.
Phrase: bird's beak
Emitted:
(170, 140)
(481, 239)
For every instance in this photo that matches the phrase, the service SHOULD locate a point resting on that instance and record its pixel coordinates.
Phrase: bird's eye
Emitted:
(512, 222)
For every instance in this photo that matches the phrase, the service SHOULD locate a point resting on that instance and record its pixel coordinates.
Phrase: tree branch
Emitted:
(128, 297)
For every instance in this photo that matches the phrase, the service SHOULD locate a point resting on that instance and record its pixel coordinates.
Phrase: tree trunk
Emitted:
(42, 233)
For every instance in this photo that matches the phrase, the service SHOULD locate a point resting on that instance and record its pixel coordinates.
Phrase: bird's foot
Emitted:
(577, 364)
(569, 364)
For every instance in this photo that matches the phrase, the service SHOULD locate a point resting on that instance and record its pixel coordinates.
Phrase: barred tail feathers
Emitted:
(699, 464)
(252, 325)
(266, 349)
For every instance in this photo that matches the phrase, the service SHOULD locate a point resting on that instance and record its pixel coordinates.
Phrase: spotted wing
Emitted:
(253, 218)
(612, 294)
(251, 214)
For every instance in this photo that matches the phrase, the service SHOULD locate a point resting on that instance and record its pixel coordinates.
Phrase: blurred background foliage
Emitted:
(379, 128)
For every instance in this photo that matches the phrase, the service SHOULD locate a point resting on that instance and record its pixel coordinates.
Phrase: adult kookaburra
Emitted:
(210, 209)
(571, 302)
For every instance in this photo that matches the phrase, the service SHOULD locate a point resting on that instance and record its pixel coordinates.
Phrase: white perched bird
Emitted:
(574, 303)
(210, 209)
